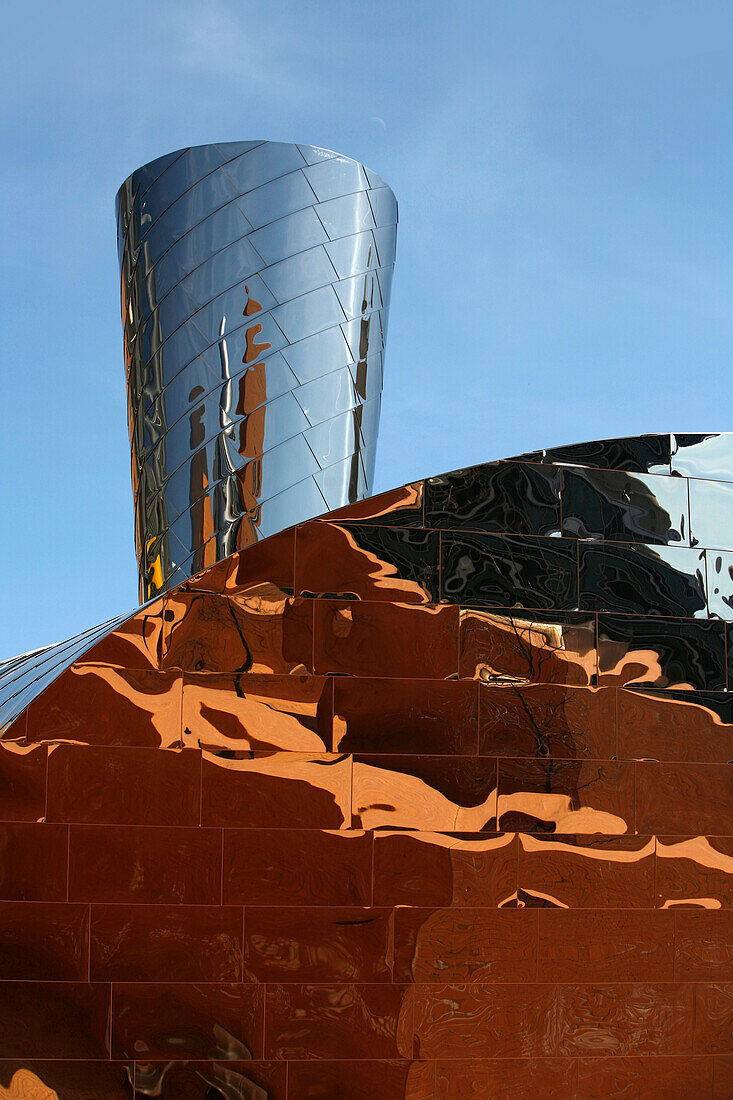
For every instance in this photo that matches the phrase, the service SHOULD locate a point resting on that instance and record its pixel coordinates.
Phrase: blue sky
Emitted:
(564, 263)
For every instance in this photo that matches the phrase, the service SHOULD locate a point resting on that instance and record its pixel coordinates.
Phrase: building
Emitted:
(424, 795)
(255, 294)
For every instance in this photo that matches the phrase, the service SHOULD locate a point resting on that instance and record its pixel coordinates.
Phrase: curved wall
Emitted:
(255, 281)
(426, 799)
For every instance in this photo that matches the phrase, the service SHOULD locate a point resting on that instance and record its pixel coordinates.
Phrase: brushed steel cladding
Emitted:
(255, 283)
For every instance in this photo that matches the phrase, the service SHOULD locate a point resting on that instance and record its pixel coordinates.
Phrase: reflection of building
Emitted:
(255, 292)
(429, 796)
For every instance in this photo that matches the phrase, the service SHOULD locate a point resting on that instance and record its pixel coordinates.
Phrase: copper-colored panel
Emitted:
(261, 633)
(119, 786)
(205, 1080)
(136, 644)
(528, 647)
(174, 943)
(54, 1020)
(645, 1078)
(33, 861)
(505, 1078)
(103, 705)
(278, 633)
(358, 1079)
(703, 945)
(695, 871)
(297, 867)
(465, 945)
(401, 716)
(179, 1021)
(684, 798)
(366, 562)
(461, 1021)
(588, 796)
(295, 943)
(229, 711)
(266, 563)
(202, 1080)
(144, 864)
(215, 839)
(15, 730)
(639, 1018)
(338, 1021)
(675, 725)
(424, 792)
(714, 1018)
(45, 941)
(399, 507)
(356, 638)
(539, 1020)
(722, 1078)
(588, 945)
(22, 781)
(202, 633)
(547, 720)
(586, 872)
(445, 869)
(32, 1080)
(287, 789)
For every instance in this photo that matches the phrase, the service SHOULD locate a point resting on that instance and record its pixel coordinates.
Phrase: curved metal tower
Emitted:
(255, 281)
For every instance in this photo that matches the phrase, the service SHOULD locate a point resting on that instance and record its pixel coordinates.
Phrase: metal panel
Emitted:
(249, 271)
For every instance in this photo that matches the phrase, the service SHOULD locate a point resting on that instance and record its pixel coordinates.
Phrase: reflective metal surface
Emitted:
(25, 676)
(255, 295)
(430, 797)
(427, 798)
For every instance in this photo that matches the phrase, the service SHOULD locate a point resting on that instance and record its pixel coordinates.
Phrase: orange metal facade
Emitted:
(346, 816)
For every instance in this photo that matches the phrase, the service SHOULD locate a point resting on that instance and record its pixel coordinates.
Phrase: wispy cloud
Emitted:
(234, 43)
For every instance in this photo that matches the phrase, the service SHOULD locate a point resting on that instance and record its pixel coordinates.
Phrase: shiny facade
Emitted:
(430, 797)
(255, 293)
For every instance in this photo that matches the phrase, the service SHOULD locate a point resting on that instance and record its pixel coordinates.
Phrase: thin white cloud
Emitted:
(232, 42)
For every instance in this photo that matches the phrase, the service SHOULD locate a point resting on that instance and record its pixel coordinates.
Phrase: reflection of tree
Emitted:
(541, 730)
(529, 650)
(544, 655)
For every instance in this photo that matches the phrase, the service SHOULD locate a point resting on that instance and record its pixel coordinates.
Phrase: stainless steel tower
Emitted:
(255, 293)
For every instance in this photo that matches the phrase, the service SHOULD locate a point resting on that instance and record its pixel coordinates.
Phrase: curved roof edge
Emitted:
(706, 456)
